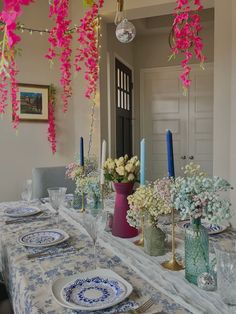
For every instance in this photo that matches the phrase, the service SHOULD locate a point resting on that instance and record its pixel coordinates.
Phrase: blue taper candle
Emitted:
(170, 154)
(142, 162)
(81, 151)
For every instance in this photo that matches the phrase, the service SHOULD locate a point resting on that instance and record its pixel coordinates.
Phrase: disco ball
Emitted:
(125, 31)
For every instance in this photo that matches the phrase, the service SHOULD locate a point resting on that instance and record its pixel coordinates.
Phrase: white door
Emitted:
(163, 107)
(200, 148)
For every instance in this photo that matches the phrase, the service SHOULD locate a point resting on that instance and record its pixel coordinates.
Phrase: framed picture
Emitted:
(33, 102)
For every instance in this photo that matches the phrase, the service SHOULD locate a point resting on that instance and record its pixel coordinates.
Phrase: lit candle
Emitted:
(81, 151)
(142, 162)
(103, 159)
(170, 154)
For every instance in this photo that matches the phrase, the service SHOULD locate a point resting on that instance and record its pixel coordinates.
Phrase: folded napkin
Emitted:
(122, 307)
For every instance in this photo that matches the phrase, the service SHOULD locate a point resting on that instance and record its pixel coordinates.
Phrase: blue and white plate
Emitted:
(91, 291)
(43, 238)
(22, 211)
(212, 228)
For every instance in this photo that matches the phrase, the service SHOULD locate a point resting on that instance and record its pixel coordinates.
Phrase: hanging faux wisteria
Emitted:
(8, 69)
(186, 39)
(60, 40)
(88, 51)
(51, 119)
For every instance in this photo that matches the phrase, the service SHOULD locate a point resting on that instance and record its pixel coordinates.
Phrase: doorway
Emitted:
(190, 118)
(123, 92)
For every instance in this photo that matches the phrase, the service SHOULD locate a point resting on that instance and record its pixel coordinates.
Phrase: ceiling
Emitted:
(163, 23)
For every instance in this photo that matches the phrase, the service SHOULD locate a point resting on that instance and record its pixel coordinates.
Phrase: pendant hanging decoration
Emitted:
(185, 37)
(60, 39)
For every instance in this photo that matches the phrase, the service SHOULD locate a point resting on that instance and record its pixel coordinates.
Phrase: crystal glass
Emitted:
(196, 251)
(94, 221)
(226, 270)
(56, 198)
(26, 194)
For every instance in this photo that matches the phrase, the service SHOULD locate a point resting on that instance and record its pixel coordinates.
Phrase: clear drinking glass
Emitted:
(94, 222)
(26, 194)
(226, 270)
(56, 198)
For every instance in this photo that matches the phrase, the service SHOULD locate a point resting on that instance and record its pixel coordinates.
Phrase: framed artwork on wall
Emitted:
(33, 102)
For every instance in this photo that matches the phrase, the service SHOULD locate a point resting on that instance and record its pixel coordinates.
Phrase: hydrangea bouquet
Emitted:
(152, 199)
(75, 171)
(122, 169)
(198, 196)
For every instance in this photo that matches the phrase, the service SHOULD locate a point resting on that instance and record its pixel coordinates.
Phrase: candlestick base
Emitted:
(172, 265)
(139, 242)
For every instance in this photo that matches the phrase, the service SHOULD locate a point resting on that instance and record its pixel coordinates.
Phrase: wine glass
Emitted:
(27, 191)
(56, 198)
(94, 221)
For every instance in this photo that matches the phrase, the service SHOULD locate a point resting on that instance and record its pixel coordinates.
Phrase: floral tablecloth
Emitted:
(170, 283)
(29, 281)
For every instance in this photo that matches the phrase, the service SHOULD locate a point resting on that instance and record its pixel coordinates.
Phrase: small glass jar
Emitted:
(154, 238)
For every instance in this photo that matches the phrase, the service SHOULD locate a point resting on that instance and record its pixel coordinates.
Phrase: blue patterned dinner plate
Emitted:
(212, 228)
(43, 238)
(95, 291)
(22, 211)
(92, 291)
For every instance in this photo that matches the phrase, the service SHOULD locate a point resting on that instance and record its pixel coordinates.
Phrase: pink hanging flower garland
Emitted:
(51, 119)
(60, 38)
(88, 53)
(11, 11)
(186, 28)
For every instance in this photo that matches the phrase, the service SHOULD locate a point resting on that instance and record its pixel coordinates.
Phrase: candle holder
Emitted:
(172, 264)
(82, 210)
(140, 242)
(102, 195)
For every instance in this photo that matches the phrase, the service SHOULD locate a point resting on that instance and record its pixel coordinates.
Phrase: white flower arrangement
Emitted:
(122, 169)
(199, 196)
(146, 200)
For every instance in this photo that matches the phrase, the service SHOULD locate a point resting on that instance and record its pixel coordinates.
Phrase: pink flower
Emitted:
(88, 53)
(186, 27)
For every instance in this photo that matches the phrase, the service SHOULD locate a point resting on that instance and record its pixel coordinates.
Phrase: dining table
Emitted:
(29, 280)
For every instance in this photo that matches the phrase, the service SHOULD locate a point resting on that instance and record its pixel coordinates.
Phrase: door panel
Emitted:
(190, 118)
(165, 108)
(201, 118)
(123, 109)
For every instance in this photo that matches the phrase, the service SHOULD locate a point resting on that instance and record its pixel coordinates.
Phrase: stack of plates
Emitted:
(22, 211)
(212, 228)
(43, 238)
(91, 291)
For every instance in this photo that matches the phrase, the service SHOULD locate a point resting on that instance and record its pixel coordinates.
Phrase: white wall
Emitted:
(30, 148)
(82, 106)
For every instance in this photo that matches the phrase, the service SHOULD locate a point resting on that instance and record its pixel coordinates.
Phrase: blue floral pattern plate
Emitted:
(43, 238)
(91, 291)
(212, 228)
(22, 211)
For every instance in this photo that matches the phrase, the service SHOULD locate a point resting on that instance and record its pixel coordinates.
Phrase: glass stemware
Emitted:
(26, 194)
(56, 198)
(94, 221)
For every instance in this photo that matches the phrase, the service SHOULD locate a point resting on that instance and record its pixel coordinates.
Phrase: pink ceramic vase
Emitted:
(120, 226)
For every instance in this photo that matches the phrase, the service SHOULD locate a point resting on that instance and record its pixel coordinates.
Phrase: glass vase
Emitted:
(154, 239)
(196, 251)
(226, 270)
